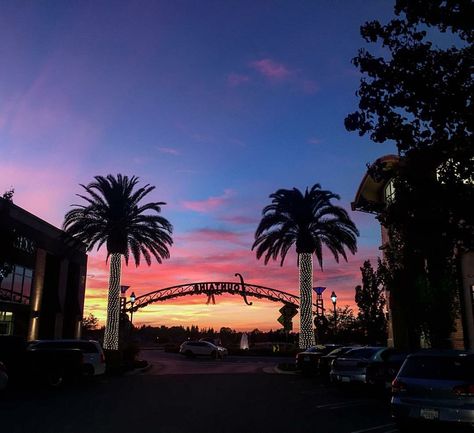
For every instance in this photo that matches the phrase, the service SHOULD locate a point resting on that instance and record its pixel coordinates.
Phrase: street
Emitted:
(179, 395)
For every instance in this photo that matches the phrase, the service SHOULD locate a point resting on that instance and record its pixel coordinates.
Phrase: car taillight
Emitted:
(464, 390)
(398, 386)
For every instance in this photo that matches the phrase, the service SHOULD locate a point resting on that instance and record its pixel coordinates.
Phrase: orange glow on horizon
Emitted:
(230, 310)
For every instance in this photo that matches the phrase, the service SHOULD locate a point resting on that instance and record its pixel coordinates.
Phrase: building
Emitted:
(371, 196)
(42, 277)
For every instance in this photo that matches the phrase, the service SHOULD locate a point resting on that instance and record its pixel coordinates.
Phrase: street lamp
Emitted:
(334, 300)
(132, 301)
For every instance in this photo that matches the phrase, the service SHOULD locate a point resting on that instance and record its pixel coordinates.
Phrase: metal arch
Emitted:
(213, 288)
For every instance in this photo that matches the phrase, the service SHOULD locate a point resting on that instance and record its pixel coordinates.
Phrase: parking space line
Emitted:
(379, 427)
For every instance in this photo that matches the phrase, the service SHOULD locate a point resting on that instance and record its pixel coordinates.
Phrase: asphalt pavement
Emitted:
(179, 395)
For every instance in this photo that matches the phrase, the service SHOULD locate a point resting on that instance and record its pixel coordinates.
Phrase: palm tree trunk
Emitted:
(111, 337)
(306, 300)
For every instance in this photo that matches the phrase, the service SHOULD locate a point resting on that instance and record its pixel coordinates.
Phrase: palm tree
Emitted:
(310, 221)
(114, 216)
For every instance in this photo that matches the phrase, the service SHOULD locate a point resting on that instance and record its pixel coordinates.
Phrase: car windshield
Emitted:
(339, 351)
(441, 368)
(315, 349)
(365, 353)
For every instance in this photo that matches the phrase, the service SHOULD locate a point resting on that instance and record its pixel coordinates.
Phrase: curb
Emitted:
(136, 371)
(276, 370)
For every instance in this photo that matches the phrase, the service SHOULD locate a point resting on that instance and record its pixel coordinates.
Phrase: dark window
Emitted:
(441, 368)
(84, 346)
(7, 282)
(339, 351)
(361, 353)
(17, 285)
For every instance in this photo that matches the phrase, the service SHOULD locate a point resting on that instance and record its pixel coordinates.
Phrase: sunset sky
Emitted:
(217, 103)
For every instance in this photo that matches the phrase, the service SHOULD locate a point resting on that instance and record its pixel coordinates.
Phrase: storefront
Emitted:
(42, 277)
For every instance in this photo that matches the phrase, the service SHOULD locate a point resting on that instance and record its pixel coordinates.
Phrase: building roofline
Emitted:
(27, 217)
(369, 183)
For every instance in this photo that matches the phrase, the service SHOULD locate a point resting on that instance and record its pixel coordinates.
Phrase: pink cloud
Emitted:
(271, 69)
(235, 80)
(44, 191)
(169, 150)
(241, 220)
(209, 204)
(314, 140)
(212, 235)
(278, 72)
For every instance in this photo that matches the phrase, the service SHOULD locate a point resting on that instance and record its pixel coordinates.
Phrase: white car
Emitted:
(93, 355)
(202, 348)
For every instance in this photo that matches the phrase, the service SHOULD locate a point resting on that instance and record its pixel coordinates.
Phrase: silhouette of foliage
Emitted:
(370, 301)
(307, 221)
(418, 94)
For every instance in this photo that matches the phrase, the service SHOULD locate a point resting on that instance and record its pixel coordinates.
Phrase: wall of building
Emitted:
(58, 265)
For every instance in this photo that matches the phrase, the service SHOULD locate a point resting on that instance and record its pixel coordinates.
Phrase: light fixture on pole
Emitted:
(334, 300)
(132, 301)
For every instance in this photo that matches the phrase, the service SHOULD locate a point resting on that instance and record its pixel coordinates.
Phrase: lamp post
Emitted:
(132, 301)
(334, 300)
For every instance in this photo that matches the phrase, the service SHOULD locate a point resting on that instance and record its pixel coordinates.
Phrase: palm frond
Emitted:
(307, 220)
(114, 215)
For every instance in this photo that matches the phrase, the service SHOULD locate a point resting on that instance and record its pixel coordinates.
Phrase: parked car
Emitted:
(434, 388)
(381, 373)
(202, 348)
(325, 362)
(352, 367)
(47, 366)
(308, 360)
(93, 355)
(3, 376)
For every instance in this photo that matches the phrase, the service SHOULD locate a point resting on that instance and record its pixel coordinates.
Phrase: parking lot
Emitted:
(238, 394)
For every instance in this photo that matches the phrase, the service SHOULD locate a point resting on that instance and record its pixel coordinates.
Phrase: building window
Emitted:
(389, 191)
(16, 286)
(6, 323)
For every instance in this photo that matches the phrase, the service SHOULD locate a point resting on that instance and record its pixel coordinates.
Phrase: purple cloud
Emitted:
(314, 140)
(235, 80)
(169, 151)
(209, 204)
(271, 69)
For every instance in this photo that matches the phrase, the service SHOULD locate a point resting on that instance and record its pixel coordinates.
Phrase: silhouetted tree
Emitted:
(90, 322)
(371, 302)
(308, 221)
(114, 216)
(417, 92)
(7, 237)
(343, 327)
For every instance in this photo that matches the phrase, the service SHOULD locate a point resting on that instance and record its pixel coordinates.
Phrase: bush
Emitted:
(129, 354)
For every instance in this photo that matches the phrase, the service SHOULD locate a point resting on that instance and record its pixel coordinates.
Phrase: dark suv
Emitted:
(308, 361)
